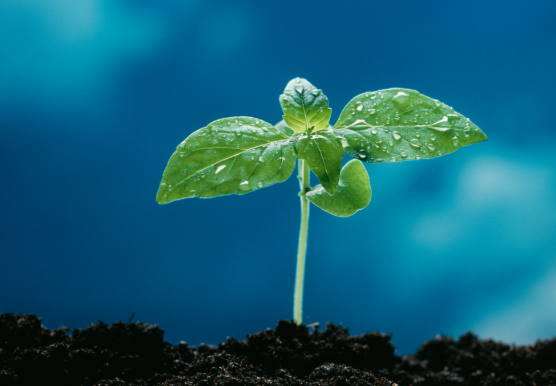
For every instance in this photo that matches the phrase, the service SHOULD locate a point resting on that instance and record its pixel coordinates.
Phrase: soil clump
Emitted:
(136, 354)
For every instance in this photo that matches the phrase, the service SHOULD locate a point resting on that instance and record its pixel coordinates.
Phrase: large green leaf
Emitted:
(304, 106)
(229, 156)
(399, 124)
(323, 153)
(353, 193)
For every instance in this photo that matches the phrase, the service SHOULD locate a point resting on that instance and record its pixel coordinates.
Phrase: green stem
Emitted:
(304, 177)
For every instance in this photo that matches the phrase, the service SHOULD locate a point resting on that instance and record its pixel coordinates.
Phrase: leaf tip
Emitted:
(162, 196)
(330, 188)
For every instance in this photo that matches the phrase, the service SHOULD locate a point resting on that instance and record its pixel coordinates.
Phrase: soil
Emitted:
(136, 354)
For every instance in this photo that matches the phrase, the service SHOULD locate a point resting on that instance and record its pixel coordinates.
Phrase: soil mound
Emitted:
(136, 354)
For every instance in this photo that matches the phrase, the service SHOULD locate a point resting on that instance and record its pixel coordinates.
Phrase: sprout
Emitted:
(239, 155)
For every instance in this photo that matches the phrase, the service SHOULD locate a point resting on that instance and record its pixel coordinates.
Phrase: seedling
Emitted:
(239, 155)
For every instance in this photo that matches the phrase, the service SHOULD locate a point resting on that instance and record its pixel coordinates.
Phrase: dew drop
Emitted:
(244, 183)
(260, 184)
(403, 154)
(430, 146)
(455, 141)
(299, 88)
(359, 108)
(374, 131)
(401, 99)
(397, 137)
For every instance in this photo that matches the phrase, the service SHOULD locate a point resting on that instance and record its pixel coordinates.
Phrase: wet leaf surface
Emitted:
(353, 192)
(323, 153)
(305, 107)
(399, 125)
(230, 156)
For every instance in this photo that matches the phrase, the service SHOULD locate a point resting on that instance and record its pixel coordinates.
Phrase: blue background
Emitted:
(96, 95)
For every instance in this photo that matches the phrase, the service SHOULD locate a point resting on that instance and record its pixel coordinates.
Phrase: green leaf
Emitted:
(399, 124)
(229, 156)
(353, 193)
(323, 153)
(284, 128)
(304, 106)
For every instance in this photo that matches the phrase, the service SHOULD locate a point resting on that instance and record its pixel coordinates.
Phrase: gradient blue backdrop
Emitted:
(96, 94)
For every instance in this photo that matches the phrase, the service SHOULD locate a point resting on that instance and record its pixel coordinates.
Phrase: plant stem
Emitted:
(304, 176)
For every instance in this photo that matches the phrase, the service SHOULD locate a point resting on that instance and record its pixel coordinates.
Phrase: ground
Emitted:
(136, 354)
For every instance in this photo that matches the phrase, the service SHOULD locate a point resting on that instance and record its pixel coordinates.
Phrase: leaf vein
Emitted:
(224, 159)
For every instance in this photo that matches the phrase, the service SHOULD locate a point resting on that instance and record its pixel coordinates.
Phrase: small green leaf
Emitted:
(304, 106)
(229, 156)
(284, 128)
(353, 193)
(399, 124)
(323, 153)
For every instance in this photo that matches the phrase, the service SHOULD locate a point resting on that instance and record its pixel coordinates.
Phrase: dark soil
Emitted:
(136, 354)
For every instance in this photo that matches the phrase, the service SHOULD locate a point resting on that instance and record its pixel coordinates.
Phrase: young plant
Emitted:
(239, 155)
